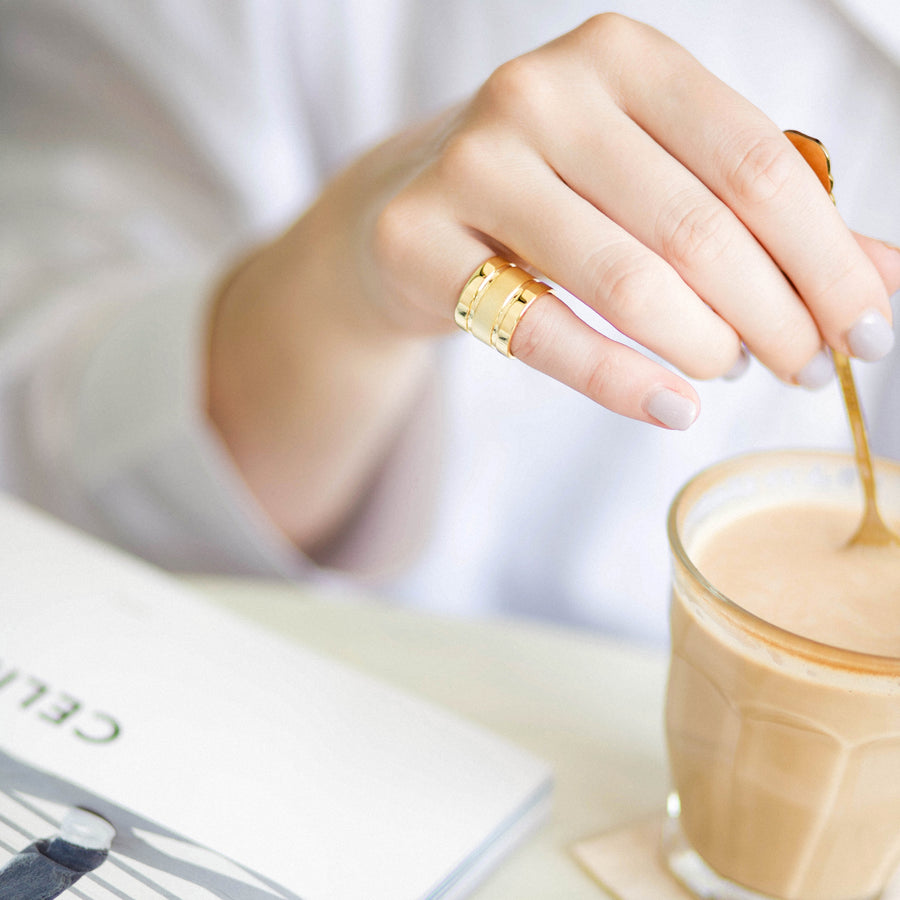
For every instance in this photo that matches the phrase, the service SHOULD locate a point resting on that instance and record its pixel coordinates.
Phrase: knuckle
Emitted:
(517, 87)
(840, 276)
(761, 170)
(463, 158)
(610, 28)
(398, 233)
(393, 227)
(613, 44)
(624, 285)
(598, 375)
(837, 278)
(692, 234)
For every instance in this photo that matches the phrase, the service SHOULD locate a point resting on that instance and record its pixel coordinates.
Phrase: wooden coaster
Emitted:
(628, 864)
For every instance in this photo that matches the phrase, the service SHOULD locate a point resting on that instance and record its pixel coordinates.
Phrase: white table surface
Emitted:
(590, 706)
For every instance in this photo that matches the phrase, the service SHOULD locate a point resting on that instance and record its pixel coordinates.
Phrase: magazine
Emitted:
(230, 762)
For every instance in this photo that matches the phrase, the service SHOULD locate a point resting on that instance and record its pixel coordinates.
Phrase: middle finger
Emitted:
(673, 213)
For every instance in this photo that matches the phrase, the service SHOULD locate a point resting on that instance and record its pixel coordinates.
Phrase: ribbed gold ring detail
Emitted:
(493, 301)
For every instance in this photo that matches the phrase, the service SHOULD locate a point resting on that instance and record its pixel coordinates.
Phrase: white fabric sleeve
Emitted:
(119, 443)
(129, 174)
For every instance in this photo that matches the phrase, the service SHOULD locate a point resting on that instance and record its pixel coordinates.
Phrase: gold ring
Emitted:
(493, 301)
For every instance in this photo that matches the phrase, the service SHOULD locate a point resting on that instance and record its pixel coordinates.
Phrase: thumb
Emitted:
(886, 259)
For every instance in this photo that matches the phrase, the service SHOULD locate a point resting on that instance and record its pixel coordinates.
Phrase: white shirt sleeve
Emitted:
(118, 442)
(129, 175)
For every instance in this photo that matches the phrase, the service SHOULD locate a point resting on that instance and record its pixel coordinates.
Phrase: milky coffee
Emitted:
(785, 751)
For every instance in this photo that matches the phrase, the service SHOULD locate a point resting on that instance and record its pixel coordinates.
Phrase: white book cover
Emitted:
(230, 762)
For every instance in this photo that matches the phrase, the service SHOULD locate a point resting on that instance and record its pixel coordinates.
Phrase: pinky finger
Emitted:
(552, 339)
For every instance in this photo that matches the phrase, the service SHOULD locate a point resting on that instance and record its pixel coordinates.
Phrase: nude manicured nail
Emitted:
(817, 372)
(871, 337)
(671, 409)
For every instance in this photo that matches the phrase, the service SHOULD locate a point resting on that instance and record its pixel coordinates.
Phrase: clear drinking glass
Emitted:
(784, 752)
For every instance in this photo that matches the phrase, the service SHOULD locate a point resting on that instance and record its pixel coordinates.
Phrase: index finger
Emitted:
(753, 168)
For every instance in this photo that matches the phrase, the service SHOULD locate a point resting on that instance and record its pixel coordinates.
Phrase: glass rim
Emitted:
(797, 644)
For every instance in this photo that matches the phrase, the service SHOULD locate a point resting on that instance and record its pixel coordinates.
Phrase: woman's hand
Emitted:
(613, 163)
(608, 161)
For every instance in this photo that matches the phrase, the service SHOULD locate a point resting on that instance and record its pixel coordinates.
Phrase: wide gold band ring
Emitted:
(494, 300)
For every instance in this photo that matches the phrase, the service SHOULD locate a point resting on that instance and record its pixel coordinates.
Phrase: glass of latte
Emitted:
(783, 703)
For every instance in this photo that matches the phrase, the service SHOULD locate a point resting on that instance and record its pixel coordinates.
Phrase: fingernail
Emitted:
(817, 372)
(671, 409)
(741, 366)
(871, 337)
